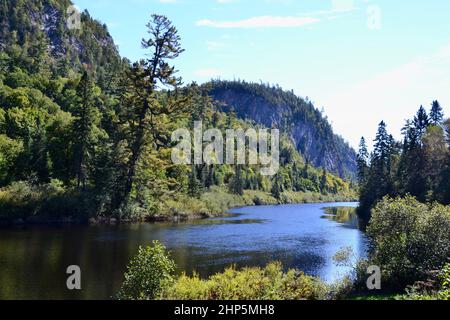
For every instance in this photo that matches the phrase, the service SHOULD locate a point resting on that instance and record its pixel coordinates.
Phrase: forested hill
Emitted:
(311, 133)
(86, 134)
(34, 34)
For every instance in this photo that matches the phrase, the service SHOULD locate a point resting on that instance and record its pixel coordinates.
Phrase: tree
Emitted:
(421, 121)
(409, 239)
(362, 161)
(436, 114)
(324, 182)
(39, 158)
(382, 145)
(194, 185)
(142, 109)
(83, 127)
(379, 178)
(277, 187)
(237, 183)
(147, 273)
(436, 152)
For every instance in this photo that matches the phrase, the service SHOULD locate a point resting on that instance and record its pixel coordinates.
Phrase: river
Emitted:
(33, 260)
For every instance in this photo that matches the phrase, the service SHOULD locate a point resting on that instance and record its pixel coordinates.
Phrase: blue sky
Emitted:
(363, 61)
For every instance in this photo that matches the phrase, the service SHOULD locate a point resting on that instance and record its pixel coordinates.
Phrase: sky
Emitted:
(361, 61)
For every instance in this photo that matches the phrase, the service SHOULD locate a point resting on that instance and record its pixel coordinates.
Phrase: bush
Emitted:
(269, 283)
(409, 239)
(147, 273)
(22, 200)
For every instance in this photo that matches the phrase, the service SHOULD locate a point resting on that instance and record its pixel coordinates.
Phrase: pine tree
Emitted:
(142, 111)
(378, 181)
(436, 114)
(39, 158)
(277, 187)
(363, 161)
(194, 186)
(382, 144)
(83, 126)
(237, 183)
(421, 121)
(436, 152)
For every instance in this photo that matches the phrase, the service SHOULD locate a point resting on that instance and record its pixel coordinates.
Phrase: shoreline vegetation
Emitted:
(213, 203)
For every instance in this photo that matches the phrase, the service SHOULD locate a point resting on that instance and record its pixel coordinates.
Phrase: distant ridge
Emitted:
(308, 129)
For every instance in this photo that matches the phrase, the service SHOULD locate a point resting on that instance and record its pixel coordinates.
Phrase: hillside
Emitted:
(74, 145)
(306, 126)
(34, 34)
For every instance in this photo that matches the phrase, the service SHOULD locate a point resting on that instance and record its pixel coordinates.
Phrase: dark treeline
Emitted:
(418, 166)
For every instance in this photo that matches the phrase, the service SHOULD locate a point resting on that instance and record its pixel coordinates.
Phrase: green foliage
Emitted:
(33, 45)
(10, 150)
(236, 183)
(147, 274)
(43, 203)
(419, 167)
(444, 278)
(409, 239)
(101, 127)
(269, 283)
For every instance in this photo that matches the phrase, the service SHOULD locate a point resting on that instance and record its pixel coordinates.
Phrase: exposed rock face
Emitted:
(297, 117)
(39, 29)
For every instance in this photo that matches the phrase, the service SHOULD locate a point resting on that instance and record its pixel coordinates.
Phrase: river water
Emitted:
(33, 260)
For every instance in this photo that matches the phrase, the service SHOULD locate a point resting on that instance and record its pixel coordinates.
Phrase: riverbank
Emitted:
(45, 208)
(217, 201)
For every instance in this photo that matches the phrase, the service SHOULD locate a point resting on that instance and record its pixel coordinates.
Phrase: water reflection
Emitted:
(345, 215)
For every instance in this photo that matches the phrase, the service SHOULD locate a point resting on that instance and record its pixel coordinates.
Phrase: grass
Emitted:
(218, 200)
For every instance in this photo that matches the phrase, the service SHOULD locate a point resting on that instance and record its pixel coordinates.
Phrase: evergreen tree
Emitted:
(382, 145)
(142, 108)
(277, 187)
(83, 127)
(237, 183)
(435, 152)
(39, 159)
(363, 161)
(194, 187)
(436, 114)
(379, 180)
(421, 121)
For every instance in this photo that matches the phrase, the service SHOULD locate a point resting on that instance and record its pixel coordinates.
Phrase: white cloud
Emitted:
(208, 73)
(393, 96)
(260, 22)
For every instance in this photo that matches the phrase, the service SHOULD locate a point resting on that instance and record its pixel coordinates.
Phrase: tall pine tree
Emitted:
(83, 126)
(436, 114)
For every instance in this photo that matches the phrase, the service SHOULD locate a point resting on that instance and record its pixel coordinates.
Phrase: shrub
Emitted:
(269, 283)
(22, 200)
(147, 273)
(409, 239)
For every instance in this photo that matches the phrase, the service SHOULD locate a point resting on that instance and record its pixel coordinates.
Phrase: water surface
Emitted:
(33, 260)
